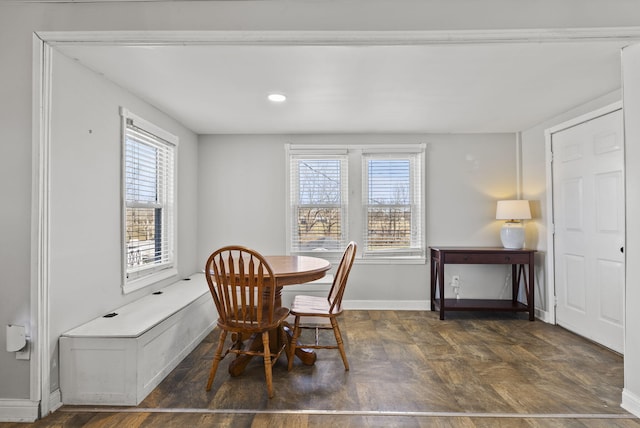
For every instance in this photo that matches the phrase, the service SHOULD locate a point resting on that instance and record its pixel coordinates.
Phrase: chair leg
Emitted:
(216, 359)
(336, 332)
(267, 363)
(294, 341)
(284, 340)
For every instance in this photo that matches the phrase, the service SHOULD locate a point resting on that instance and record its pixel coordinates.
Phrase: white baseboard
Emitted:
(55, 401)
(18, 410)
(387, 305)
(630, 402)
(544, 316)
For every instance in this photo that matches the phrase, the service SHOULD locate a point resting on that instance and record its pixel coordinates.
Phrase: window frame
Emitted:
(293, 153)
(415, 157)
(135, 279)
(356, 191)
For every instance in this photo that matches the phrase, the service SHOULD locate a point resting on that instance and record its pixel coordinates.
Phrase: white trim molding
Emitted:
(18, 410)
(630, 402)
(40, 226)
(387, 305)
(55, 401)
(340, 38)
(602, 111)
(545, 316)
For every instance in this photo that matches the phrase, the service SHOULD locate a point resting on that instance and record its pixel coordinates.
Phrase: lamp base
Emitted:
(512, 235)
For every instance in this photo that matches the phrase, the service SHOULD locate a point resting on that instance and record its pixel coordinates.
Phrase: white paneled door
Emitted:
(588, 210)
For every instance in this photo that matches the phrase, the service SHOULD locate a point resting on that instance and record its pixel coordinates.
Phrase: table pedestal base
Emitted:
(237, 366)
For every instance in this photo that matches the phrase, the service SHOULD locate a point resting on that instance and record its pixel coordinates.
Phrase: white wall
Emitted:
(85, 197)
(466, 174)
(19, 21)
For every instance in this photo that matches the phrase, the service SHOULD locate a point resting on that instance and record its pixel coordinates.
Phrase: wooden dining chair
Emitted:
(243, 288)
(321, 313)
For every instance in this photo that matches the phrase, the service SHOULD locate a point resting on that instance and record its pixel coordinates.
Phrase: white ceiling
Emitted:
(494, 87)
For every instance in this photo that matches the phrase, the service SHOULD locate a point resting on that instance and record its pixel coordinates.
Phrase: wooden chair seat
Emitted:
(280, 315)
(309, 321)
(313, 306)
(314, 309)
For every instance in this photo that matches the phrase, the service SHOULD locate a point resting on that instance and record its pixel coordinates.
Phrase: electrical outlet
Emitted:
(24, 353)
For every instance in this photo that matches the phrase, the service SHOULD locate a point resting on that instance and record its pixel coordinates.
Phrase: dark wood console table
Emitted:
(518, 259)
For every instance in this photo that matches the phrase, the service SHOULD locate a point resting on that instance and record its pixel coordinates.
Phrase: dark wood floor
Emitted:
(408, 368)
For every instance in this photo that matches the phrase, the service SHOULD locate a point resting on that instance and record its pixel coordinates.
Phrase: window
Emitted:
(148, 202)
(384, 212)
(318, 201)
(392, 203)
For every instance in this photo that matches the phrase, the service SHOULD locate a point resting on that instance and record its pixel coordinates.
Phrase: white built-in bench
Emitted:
(119, 360)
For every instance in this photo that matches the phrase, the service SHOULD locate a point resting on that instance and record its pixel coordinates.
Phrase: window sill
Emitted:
(391, 261)
(148, 280)
(334, 257)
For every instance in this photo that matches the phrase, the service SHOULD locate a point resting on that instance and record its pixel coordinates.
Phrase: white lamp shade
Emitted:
(513, 210)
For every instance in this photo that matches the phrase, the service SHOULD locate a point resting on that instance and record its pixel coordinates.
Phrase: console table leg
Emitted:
(531, 290)
(515, 283)
(434, 276)
(441, 286)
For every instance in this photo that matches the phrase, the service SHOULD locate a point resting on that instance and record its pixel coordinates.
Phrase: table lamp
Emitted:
(512, 232)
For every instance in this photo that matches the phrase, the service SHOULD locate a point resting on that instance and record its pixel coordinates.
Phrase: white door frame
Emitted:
(40, 215)
(551, 285)
(42, 74)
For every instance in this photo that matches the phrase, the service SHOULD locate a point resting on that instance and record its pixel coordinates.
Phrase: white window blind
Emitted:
(392, 202)
(318, 202)
(148, 190)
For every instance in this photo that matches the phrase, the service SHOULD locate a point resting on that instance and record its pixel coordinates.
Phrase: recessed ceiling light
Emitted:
(277, 98)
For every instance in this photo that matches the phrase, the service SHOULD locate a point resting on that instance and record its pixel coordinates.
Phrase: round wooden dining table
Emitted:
(288, 270)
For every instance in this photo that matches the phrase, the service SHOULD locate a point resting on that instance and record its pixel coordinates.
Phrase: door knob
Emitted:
(622, 249)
